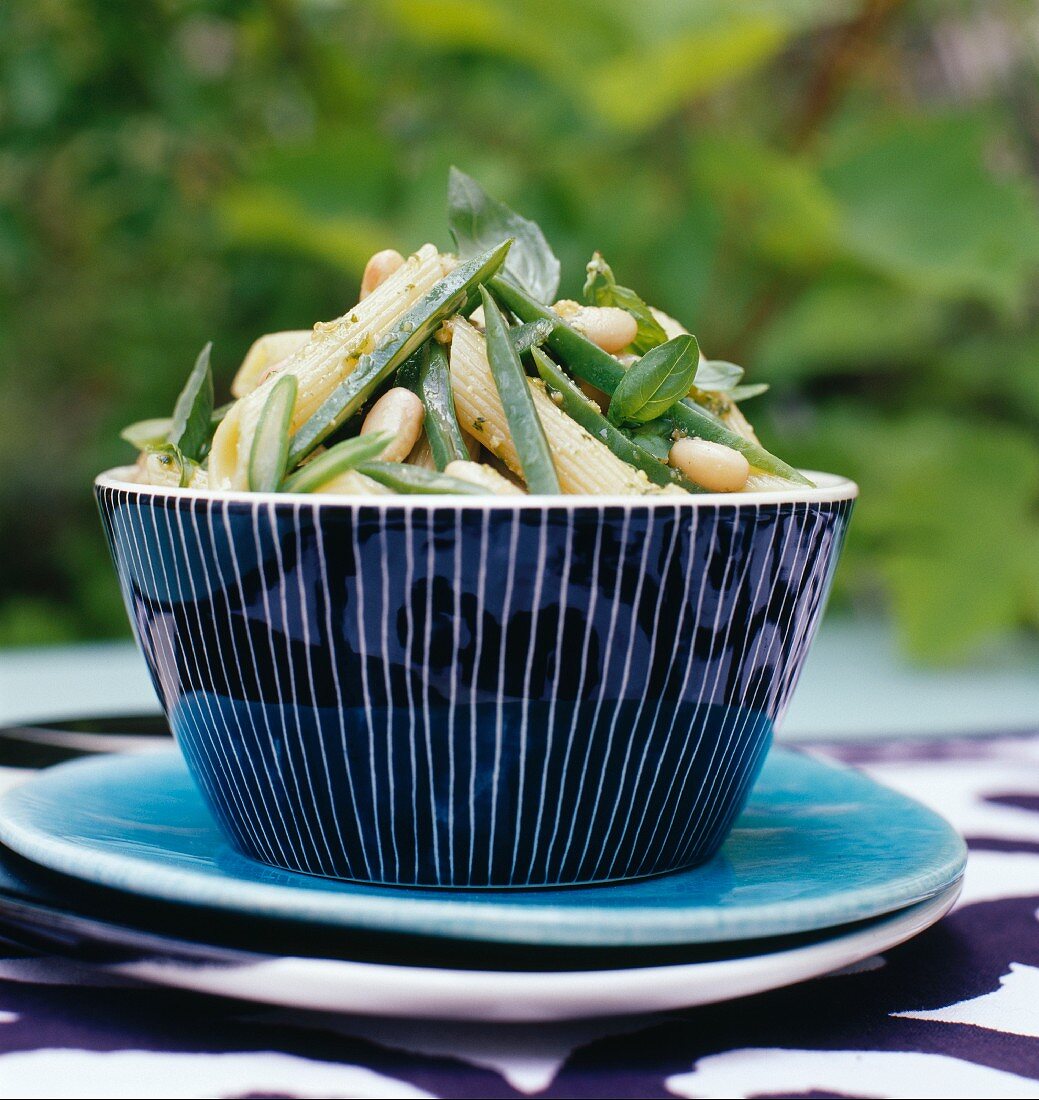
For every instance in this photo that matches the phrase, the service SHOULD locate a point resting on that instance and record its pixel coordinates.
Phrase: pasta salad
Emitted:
(461, 373)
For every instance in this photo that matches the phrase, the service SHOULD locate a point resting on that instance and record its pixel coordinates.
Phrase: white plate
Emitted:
(360, 988)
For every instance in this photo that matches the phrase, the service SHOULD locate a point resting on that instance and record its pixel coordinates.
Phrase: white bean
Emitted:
(398, 411)
(716, 467)
(379, 268)
(612, 328)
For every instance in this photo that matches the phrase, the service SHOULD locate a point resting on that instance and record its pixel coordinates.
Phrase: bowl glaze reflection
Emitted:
(504, 694)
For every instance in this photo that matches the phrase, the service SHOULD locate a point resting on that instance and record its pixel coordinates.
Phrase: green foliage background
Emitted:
(840, 195)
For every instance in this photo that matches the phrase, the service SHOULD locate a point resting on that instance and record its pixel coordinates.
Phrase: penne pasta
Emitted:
(422, 454)
(157, 468)
(323, 362)
(481, 474)
(352, 483)
(264, 356)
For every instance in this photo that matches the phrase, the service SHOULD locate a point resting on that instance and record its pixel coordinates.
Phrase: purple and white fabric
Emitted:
(953, 1013)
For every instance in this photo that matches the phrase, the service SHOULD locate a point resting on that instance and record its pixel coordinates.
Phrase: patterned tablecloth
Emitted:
(954, 1013)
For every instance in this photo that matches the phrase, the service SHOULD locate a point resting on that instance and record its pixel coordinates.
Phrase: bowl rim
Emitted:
(828, 488)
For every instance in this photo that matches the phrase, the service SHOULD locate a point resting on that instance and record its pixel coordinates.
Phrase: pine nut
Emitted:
(398, 411)
(379, 268)
(716, 467)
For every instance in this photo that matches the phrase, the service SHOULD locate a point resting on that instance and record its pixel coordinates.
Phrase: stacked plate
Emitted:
(112, 858)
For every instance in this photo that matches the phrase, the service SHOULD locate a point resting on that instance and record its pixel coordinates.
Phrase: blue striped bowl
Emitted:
(512, 692)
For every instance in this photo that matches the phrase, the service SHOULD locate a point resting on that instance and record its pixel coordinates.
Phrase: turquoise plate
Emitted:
(817, 846)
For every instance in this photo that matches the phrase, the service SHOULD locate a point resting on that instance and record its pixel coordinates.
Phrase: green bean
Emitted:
(336, 460)
(580, 408)
(270, 449)
(414, 328)
(407, 372)
(590, 363)
(434, 387)
(528, 436)
(402, 478)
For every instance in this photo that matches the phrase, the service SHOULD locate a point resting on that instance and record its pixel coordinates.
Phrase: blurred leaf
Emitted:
(921, 205)
(341, 169)
(631, 65)
(635, 91)
(260, 217)
(947, 519)
(685, 262)
(997, 369)
(835, 327)
(550, 37)
(777, 204)
(31, 621)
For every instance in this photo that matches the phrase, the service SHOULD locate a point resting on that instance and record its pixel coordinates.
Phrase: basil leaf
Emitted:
(744, 393)
(717, 375)
(191, 428)
(653, 436)
(143, 434)
(650, 386)
(478, 223)
(147, 434)
(602, 289)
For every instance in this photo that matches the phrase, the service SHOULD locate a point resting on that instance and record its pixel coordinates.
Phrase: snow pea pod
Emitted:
(344, 456)
(402, 478)
(434, 388)
(270, 449)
